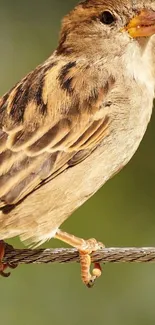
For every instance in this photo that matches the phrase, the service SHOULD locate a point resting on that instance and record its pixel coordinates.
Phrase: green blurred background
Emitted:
(122, 213)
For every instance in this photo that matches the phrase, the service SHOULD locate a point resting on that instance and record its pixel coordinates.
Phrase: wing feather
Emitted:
(46, 128)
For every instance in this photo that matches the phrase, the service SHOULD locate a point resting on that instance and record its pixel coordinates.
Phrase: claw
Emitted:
(3, 266)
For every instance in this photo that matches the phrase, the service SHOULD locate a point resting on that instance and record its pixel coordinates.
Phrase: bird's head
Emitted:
(96, 27)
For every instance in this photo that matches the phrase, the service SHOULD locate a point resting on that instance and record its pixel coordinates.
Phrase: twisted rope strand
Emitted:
(67, 255)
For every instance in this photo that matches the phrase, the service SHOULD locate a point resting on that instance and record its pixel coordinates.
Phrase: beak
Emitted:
(142, 25)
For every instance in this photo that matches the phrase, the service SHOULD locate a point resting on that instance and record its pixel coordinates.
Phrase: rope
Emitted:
(67, 255)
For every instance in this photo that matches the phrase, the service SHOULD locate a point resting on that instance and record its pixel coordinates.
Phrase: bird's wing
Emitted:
(49, 121)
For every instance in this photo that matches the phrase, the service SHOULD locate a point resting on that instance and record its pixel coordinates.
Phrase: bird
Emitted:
(75, 121)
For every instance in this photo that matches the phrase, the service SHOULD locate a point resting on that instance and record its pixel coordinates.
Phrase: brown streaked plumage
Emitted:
(76, 120)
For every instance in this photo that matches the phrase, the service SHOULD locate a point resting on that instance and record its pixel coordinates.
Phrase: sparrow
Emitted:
(75, 121)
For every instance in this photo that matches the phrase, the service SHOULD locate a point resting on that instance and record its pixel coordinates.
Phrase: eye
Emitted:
(107, 18)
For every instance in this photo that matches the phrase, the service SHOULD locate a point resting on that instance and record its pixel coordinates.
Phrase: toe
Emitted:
(3, 266)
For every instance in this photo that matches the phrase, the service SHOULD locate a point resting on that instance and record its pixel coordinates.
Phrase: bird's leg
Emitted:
(85, 247)
(3, 266)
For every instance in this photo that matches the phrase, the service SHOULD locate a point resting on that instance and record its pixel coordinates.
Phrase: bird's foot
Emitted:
(85, 247)
(89, 246)
(3, 266)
